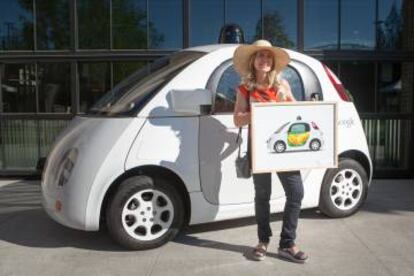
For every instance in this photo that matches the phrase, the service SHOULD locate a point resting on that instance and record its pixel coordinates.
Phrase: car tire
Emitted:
(137, 221)
(279, 146)
(315, 145)
(344, 189)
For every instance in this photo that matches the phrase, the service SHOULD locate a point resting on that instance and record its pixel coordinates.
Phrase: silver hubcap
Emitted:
(147, 215)
(315, 145)
(280, 147)
(346, 189)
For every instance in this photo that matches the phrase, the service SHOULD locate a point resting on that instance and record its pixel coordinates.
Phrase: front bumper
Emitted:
(62, 216)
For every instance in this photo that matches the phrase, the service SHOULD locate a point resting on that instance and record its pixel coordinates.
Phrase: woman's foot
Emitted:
(293, 254)
(259, 252)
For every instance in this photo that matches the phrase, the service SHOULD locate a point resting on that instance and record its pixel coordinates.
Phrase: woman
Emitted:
(259, 66)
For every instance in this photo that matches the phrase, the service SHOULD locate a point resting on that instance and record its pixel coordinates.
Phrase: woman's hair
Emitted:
(249, 80)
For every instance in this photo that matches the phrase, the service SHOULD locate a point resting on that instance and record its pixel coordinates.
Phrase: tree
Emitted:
(273, 30)
(389, 31)
(130, 26)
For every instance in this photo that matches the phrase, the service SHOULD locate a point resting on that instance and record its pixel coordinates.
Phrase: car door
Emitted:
(217, 141)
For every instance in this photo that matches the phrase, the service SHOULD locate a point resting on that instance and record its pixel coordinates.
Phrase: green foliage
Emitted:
(273, 30)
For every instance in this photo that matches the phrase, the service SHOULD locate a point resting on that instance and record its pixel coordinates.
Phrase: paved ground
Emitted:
(378, 240)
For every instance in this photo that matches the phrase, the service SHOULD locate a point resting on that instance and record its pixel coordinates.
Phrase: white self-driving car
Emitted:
(158, 151)
(296, 136)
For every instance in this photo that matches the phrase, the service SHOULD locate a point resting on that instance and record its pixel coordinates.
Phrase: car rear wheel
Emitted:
(315, 145)
(344, 189)
(144, 213)
(279, 147)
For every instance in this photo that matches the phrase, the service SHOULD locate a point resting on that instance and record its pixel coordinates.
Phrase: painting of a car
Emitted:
(298, 135)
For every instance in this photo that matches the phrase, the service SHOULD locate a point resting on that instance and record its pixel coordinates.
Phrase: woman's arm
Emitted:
(241, 116)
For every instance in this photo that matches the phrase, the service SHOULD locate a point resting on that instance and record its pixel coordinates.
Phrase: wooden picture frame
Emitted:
(293, 135)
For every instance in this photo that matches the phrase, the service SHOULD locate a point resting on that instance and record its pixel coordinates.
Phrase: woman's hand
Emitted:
(285, 93)
(241, 115)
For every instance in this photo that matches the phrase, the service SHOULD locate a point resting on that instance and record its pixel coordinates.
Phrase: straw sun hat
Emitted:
(241, 57)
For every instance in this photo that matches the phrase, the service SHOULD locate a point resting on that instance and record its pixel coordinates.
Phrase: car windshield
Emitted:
(131, 94)
(282, 127)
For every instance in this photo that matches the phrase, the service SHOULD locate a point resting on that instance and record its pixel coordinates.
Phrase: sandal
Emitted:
(259, 252)
(287, 253)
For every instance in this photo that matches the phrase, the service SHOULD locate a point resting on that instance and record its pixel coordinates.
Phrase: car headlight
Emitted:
(66, 167)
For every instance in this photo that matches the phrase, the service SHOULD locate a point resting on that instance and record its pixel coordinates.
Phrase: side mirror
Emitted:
(192, 101)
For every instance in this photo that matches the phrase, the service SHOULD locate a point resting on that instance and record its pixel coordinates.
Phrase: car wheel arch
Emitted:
(151, 171)
(361, 158)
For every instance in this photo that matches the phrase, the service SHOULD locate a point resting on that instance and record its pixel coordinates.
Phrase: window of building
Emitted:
(321, 24)
(129, 24)
(19, 143)
(279, 22)
(52, 25)
(54, 87)
(93, 24)
(18, 87)
(94, 82)
(390, 25)
(358, 24)
(165, 24)
(359, 79)
(247, 15)
(395, 86)
(16, 25)
(206, 20)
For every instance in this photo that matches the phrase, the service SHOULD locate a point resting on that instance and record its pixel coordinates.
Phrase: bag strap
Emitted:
(237, 141)
(248, 129)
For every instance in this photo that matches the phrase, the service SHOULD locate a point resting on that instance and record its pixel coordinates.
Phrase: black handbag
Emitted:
(243, 167)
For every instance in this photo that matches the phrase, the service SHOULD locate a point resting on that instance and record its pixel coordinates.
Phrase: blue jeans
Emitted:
(293, 186)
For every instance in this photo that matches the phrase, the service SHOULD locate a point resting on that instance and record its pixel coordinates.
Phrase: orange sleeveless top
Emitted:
(268, 95)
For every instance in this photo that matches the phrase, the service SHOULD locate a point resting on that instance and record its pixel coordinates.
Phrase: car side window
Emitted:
(230, 79)
(298, 128)
(226, 91)
(295, 82)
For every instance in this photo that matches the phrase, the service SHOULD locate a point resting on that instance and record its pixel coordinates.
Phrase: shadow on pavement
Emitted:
(242, 249)
(390, 196)
(23, 221)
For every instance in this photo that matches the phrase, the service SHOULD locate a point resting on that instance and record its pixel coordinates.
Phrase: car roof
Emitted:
(216, 47)
(210, 48)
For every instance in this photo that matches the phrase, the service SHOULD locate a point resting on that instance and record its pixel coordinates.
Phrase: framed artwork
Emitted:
(293, 135)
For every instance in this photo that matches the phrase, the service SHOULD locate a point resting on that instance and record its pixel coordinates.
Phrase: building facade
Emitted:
(58, 57)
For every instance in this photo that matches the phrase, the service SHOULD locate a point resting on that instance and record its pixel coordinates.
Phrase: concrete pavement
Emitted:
(378, 240)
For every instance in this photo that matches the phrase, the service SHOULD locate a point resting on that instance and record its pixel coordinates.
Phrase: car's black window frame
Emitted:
(309, 86)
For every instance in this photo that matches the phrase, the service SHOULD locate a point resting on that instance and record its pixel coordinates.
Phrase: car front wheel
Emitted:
(344, 189)
(144, 213)
(279, 147)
